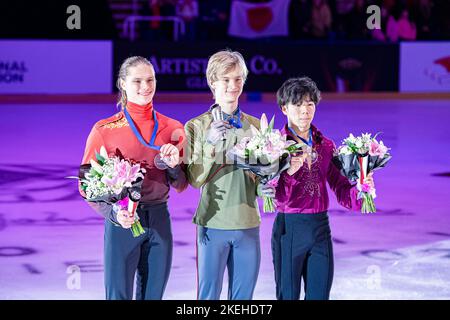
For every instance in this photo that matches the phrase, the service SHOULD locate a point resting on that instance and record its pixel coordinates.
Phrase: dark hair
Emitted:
(294, 90)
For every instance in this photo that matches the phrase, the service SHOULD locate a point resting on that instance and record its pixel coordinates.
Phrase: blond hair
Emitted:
(123, 73)
(223, 62)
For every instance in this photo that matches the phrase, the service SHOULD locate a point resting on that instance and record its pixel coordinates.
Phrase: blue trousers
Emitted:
(302, 248)
(150, 255)
(240, 252)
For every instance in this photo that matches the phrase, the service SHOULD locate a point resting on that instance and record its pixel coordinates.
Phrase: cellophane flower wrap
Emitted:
(266, 153)
(115, 181)
(356, 158)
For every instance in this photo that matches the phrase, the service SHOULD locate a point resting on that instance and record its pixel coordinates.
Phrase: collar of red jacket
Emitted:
(138, 112)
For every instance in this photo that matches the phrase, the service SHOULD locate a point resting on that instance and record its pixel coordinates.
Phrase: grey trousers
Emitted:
(237, 250)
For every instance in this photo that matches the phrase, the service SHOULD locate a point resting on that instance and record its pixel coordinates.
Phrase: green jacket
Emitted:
(228, 194)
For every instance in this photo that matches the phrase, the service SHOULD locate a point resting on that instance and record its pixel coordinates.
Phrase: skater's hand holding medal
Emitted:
(295, 164)
(168, 157)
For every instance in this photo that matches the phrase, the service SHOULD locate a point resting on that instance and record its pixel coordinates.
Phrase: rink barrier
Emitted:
(182, 97)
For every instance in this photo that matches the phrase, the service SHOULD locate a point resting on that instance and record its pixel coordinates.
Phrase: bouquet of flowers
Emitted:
(114, 181)
(357, 157)
(266, 154)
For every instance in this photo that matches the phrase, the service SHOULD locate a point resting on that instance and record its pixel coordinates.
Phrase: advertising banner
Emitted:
(335, 67)
(425, 67)
(55, 67)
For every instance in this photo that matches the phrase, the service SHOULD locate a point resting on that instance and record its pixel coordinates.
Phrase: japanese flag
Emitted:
(256, 20)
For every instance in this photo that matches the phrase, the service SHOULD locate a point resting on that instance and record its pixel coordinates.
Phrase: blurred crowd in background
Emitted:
(311, 19)
(209, 20)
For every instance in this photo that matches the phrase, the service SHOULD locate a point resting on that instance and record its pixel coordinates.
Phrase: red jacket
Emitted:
(116, 135)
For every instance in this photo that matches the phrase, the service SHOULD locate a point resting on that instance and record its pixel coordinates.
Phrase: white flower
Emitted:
(345, 150)
(358, 143)
(366, 136)
(111, 177)
(265, 145)
(96, 166)
(255, 132)
(103, 152)
(351, 138)
(263, 123)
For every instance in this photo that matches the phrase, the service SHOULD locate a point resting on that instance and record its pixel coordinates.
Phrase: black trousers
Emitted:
(150, 255)
(302, 248)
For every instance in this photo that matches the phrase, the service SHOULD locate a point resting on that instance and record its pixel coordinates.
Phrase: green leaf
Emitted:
(94, 172)
(295, 147)
(291, 149)
(352, 147)
(99, 158)
(272, 122)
